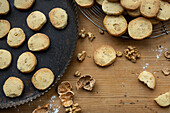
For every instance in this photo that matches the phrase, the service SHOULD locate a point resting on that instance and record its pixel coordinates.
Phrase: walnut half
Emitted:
(75, 108)
(86, 82)
(67, 98)
(64, 87)
(166, 71)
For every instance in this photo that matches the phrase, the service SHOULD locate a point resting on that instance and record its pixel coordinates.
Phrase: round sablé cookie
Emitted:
(4, 7)
(134, 13)
(100, 2)
(130, 4)
(104, 55)
(16, 37)
(5, 58)
(23, 4)
(164, 11)
(4, 28)
(85, 3)
(149, 8)
(26, 62)
(115, 25)
(58, 18)
(154, 21)
(140, 28)
(112, 8)
(43, 78)
(13, 87)
(36, 20)
(38, 42)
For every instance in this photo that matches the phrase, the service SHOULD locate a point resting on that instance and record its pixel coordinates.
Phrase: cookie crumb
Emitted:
(132, 54)
(81, 56)
(91, 36)
(75, 108)
(82, 33)
(101, 31)
(119, 54)
(77, 74)
(167, 54)
(166, 71)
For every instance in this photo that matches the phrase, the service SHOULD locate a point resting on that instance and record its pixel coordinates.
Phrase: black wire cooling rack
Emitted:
(96, 16)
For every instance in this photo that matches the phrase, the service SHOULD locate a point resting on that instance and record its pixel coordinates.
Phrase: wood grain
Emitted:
(117, 89)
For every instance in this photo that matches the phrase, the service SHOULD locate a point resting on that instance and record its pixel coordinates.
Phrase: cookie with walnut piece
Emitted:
(58, 18)
(38, 42)
(85, 3)
(112, 8)
(4, 7)
(104, 55)
(115, 25)
(149, 8)
(5, 58)
(140, 28)
(36, 20)
(130, 4)
(43, 78)
(5, 28)
(23, 4)
(16, 37)
(13, 87)
(26, 62)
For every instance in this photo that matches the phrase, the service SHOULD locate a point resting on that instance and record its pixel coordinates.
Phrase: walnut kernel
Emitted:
(81, 56)
(167, 54)
(166, 71)
(91, 36)
(119, 54)
(101, 31)
(77, 74)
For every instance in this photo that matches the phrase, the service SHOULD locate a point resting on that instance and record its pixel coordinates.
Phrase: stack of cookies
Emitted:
(146, 13)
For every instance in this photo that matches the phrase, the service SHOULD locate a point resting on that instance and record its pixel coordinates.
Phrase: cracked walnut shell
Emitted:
(167, 54)
(43, 109)
(66, 98)
(86, 82)
(64, 87)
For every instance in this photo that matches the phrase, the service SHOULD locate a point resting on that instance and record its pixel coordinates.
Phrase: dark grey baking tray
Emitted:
(57, 57)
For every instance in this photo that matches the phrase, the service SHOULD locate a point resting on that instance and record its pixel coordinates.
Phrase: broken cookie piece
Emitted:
(81, 56)
(75, 108)
(77, 74)
(67, 98)
(147, 78)
(166, 71)
(167, 54)
(43, 109)
(64, 87)
(132, 54)
(163, 100)
(86, 82)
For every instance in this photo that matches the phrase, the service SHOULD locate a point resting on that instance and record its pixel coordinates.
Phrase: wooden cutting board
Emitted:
(117, 88)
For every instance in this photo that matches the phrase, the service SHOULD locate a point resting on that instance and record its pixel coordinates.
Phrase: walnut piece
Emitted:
(119, 54)
(101, 31)
(77, 74)
(43, 109)
(91, 36)
(81, 56)
(166, 71)
(167, 54)
(75, 108)
(82, 33)
(66, 98)
(86, 82)
(132, 54)
(64, 87)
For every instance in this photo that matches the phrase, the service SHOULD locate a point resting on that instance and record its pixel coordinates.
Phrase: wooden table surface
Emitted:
(117, 89)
